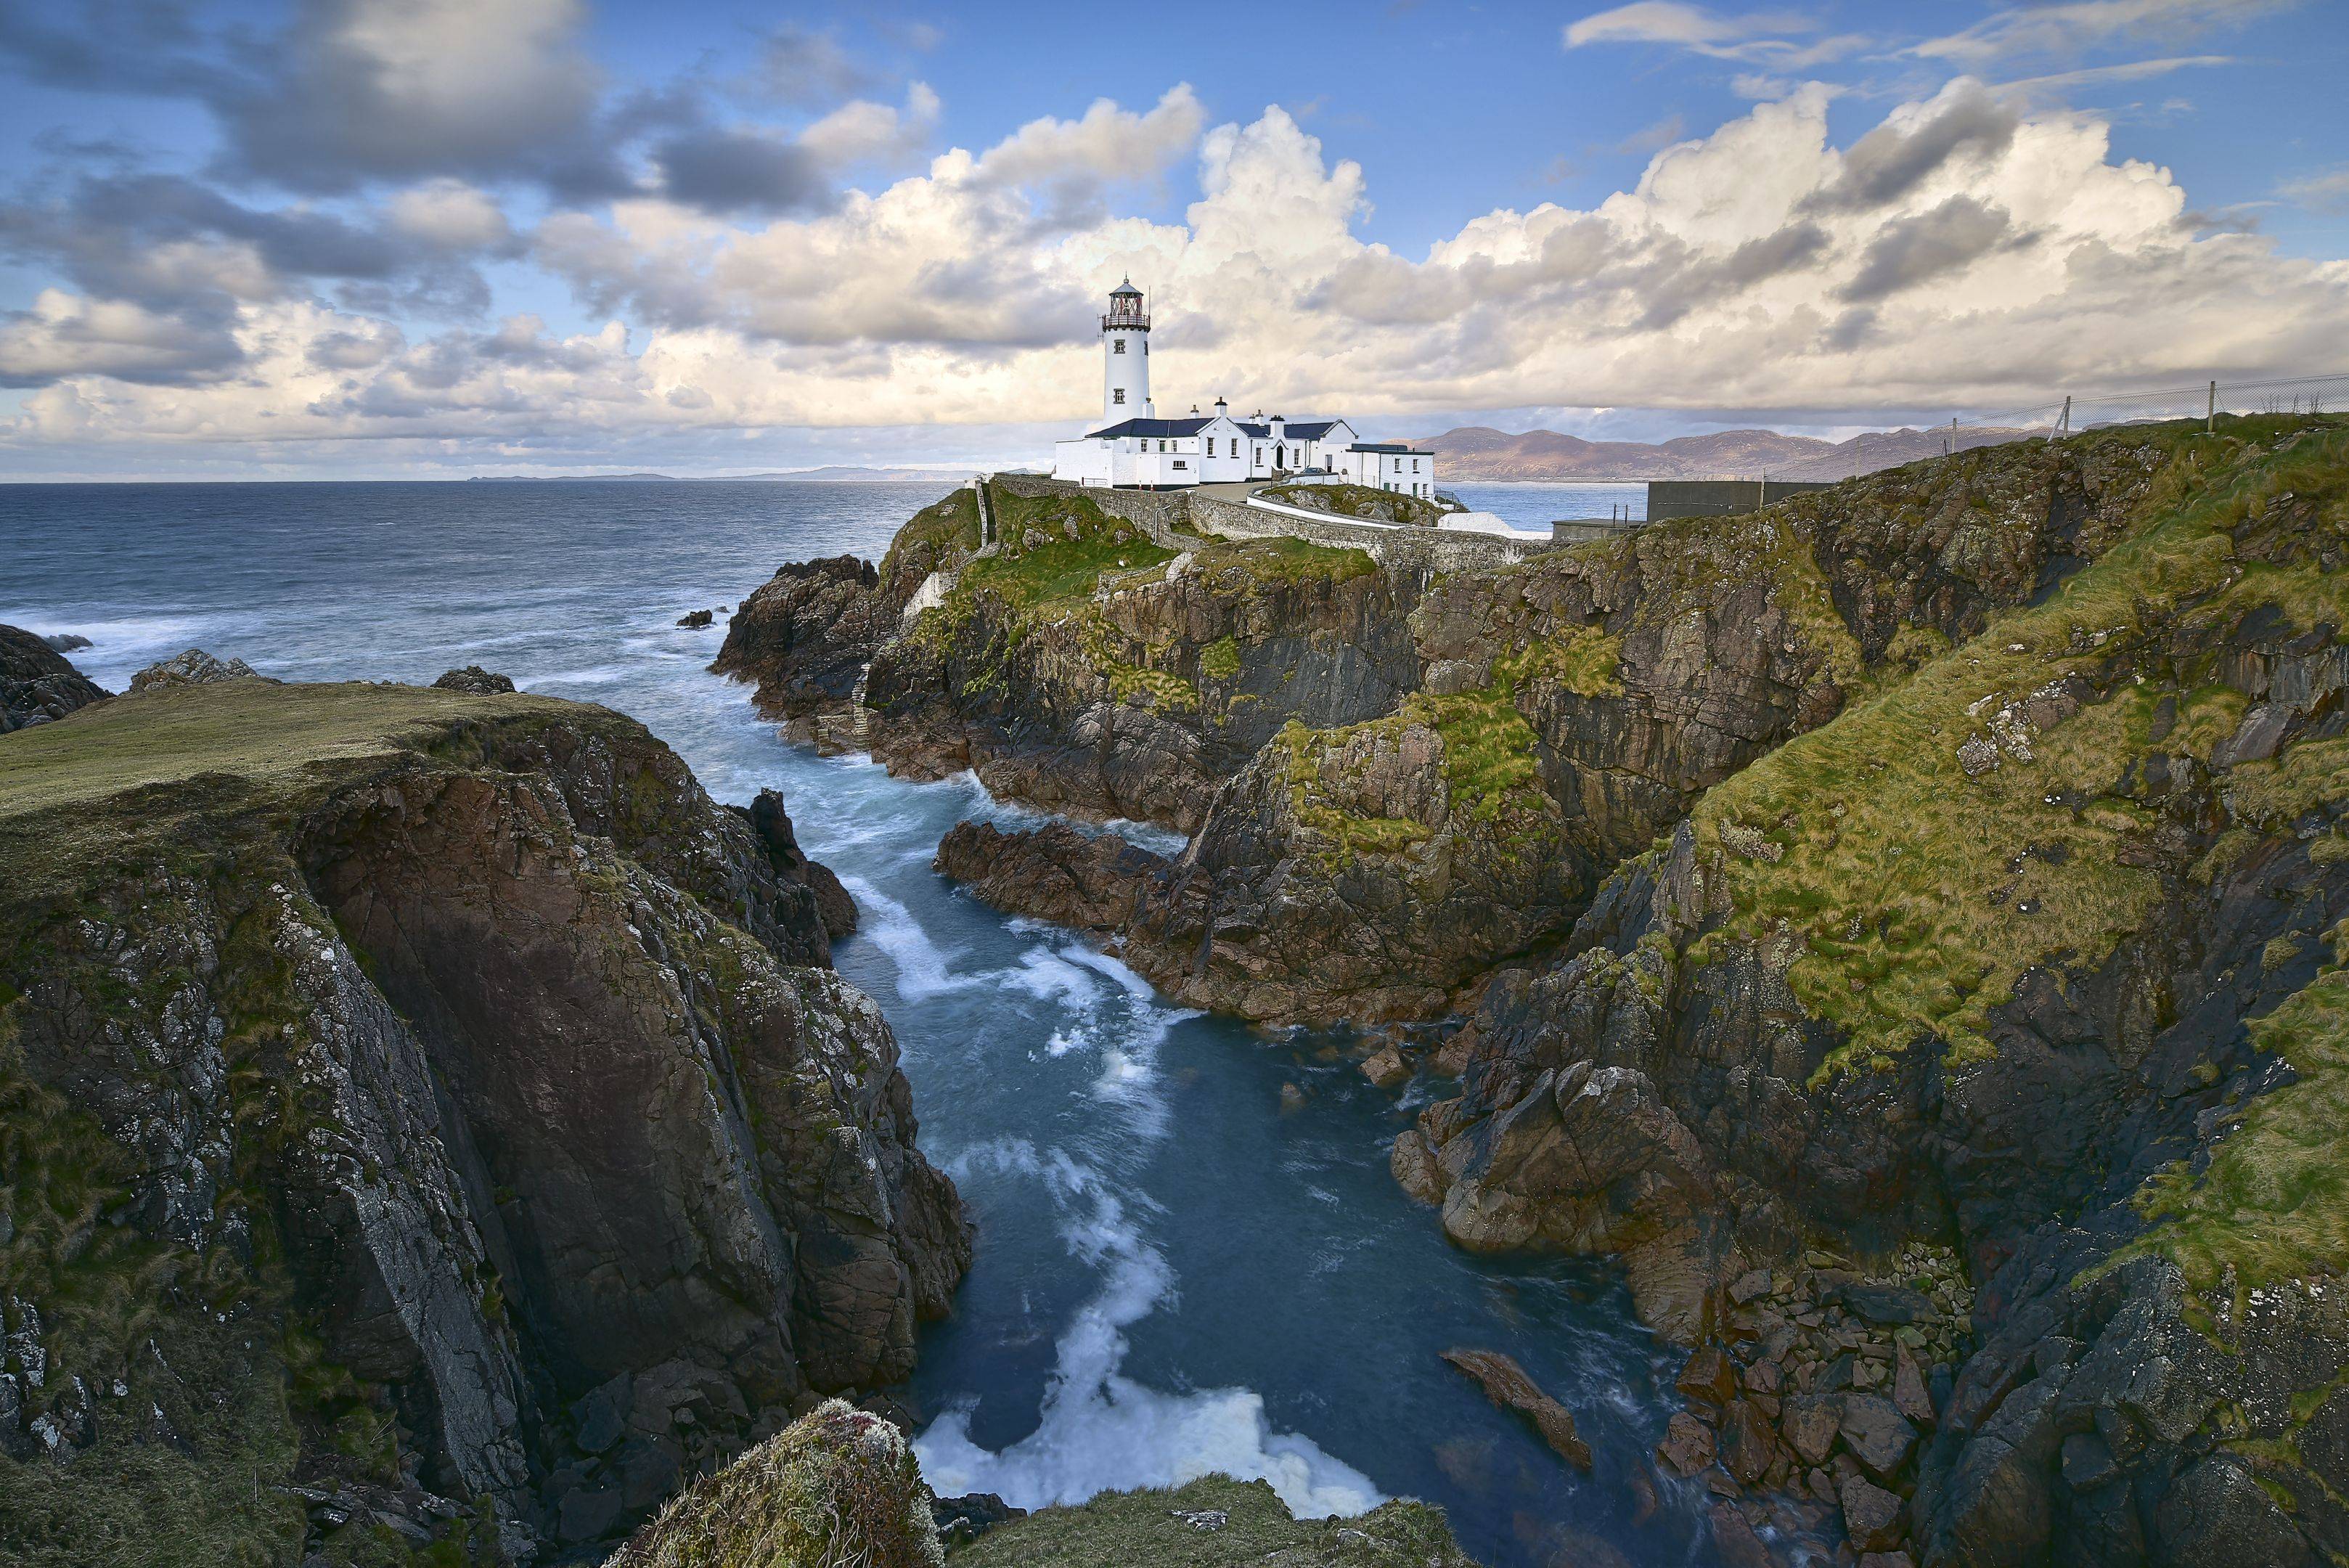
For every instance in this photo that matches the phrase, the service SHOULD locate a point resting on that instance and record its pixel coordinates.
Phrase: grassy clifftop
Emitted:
(132, 774)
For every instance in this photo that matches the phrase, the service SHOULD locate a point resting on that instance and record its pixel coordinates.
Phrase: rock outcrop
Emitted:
(2031, 954)
(474, 679)
(1950, 859)
(38, 684)
(423, 1107)
(193, 667)
(1085, 880)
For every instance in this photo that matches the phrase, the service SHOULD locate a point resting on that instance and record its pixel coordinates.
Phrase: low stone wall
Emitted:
(1432, 549)
(1158, 512)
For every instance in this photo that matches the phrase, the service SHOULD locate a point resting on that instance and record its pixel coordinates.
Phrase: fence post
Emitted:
(2211, 420)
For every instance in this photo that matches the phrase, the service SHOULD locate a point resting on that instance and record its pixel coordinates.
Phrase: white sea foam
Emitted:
(1101, 1430)
(923, 968)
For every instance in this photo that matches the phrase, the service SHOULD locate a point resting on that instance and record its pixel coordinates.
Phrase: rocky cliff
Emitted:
(1077, 663)
(428, 1116)
(1904, 925)
(37, 684)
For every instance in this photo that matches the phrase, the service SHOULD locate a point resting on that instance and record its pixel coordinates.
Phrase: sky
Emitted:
(435, 238)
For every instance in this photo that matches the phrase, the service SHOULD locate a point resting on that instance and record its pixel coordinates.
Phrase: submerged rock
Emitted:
(1506, 1385)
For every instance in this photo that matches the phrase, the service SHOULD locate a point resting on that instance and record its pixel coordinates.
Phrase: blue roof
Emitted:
(1292, 429)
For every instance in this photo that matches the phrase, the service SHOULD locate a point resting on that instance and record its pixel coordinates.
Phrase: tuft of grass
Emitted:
(836, 1486)
(1220, 659)
(1178, 1528)
(947, 531)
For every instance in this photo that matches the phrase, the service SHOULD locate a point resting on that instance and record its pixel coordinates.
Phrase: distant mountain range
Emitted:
(1479, 452)
(830, 474)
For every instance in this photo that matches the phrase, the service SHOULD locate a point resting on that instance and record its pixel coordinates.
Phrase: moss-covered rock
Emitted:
(836, 1486)
(1215, 1523)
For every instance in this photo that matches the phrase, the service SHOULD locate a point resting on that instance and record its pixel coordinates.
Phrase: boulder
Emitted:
(1746, 1446)
(192, 668)
(1884, 1305)
(1508, 1386)
(1908, 1392)
(1872, 1515)
(1059, 873)
(1414, 1165)
(472, 677)
(1387, 1068)
(1709, 1374)
(1810, 1424)
(696, 621)
(1688, 1445)
(1878, 1435)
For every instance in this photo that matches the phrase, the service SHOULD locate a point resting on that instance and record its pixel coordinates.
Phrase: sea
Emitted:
(1176, 1272)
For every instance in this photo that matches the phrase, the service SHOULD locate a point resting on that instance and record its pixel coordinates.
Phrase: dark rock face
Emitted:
(808, 885)
(806, 635)
(578, 1168)
(2093, 1077)
(1088, 881)
(38, 684)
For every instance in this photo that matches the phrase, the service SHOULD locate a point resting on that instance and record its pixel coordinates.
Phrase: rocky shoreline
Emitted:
(1936, 878)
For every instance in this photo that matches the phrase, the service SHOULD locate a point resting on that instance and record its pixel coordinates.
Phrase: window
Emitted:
(1414, 465)
(1117, 345)
(1180, 463)
(1117, 394)
(1162, 446)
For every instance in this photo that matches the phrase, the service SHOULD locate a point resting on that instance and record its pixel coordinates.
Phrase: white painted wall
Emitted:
(1125, 374)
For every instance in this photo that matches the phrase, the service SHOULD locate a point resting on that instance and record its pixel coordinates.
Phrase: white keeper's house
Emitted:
(1134, 449)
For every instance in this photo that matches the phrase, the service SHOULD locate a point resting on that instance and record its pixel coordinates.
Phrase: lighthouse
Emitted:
(1125, 356)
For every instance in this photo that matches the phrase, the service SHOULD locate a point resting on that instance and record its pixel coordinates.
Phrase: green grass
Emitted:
(1220, 659)
(1358, 500)
(2272, 1204)
(127, 775)
(836, 1486)
(1128, 1529)
(1918, 895)
(936, 535)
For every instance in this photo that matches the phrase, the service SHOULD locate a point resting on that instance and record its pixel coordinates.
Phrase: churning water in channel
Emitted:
(1173, 1274)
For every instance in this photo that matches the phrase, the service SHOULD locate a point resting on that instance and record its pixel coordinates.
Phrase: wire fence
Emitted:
(2209, 401)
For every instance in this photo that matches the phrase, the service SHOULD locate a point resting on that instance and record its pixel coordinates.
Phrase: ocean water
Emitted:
(1172, 1275)
(1531, 503)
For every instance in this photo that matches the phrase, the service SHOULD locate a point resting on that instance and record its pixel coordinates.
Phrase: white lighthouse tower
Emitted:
(1125, 356)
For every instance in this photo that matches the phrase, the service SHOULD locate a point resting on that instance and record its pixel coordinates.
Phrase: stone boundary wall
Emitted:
(1433, 549)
